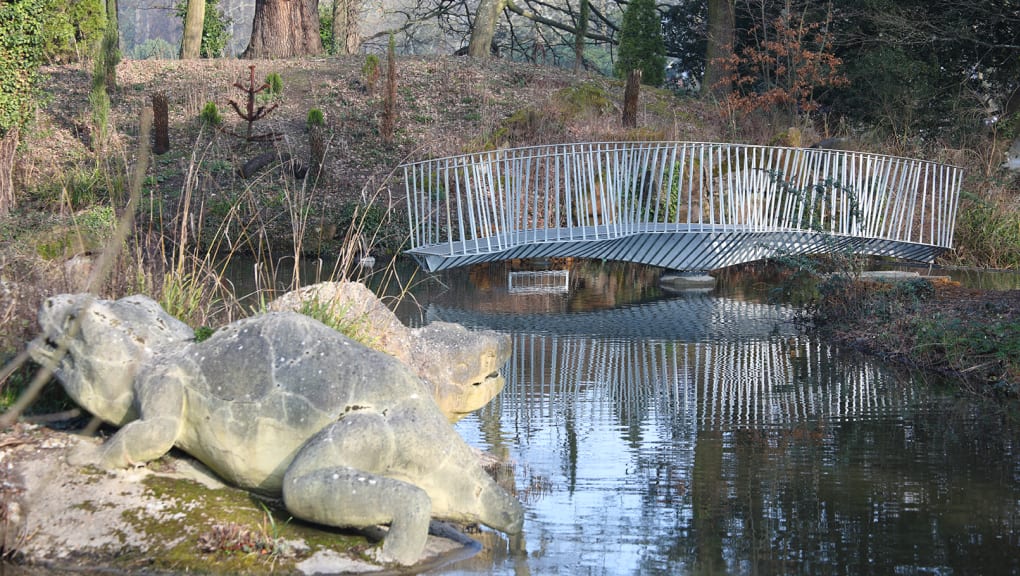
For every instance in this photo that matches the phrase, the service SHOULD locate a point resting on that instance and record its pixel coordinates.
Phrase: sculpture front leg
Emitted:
(334, 480)
(160, 399)
(345, 497)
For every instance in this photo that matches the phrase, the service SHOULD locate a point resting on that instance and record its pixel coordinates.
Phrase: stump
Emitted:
(317, 146)
(160, 123)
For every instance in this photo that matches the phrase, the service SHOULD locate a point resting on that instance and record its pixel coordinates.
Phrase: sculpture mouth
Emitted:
(492, 377)
(43, 347)
(44, 351)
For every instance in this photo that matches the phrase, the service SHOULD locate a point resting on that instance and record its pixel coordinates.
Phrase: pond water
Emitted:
(704, 432)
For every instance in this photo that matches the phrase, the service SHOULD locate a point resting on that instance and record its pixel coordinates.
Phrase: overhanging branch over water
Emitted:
(679, 205)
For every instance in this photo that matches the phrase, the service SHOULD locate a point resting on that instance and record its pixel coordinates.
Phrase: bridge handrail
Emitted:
(494, 200)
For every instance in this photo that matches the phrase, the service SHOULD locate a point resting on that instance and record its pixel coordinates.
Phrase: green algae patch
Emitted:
(225, 530)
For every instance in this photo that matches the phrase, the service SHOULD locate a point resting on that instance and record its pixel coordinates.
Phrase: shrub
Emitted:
(987, 233)
(154, 48)
(782, 75)
(275, 84)
(211, 114)
(326, 28)
(370, 71)
(315, 118)
(72, 28)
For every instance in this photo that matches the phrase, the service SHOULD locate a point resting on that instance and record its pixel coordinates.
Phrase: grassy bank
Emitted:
(971, 335)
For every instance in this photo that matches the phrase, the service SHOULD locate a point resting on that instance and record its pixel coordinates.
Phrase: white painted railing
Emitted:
(503, 203)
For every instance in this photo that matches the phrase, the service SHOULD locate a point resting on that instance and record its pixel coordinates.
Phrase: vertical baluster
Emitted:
(887, 182)
(915, 182)
(667, 187)
(597, 180)
(464, 190)
(701, 185)
(903, 198)
(554, 186)
(957, 184)
(476, 184)
(928, 203)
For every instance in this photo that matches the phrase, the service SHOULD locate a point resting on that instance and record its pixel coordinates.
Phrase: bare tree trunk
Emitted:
(8, 149)
(284, 29)
(194, 20)
(346, 29)
(111, 46)
(630, 98)
(721, 26)
(582, 30)
(484, 29)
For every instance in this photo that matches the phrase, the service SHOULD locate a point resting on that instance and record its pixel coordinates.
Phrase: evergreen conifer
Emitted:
(641, 44)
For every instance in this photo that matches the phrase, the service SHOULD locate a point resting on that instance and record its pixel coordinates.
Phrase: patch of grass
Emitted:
(338, 316)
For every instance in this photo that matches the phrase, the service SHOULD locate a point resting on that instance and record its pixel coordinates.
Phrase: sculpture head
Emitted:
(107, 342)
(461, 366)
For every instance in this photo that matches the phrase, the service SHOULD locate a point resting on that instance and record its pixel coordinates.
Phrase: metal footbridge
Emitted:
(678, 205)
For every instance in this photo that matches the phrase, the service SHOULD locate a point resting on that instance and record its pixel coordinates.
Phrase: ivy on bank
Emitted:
(21, 49)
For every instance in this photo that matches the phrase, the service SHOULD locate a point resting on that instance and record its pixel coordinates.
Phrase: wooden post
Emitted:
(630, 99)
(160, 123)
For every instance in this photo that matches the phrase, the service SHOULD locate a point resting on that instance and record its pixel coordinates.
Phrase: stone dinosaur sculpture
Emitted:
(452, 360)
(280, 404)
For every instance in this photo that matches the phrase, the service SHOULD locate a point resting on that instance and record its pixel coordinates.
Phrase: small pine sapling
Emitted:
(275, 84)
(211, 115)
(251, 114)
(315, 118)
(370, 72)
(316, 142)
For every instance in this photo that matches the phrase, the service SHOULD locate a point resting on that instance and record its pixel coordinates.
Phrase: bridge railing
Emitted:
(492, 201)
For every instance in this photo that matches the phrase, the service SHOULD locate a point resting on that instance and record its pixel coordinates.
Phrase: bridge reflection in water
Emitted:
(707, 435)
(700, 362)
(714, 386)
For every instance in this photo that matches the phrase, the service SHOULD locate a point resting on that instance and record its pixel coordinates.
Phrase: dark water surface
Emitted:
(704, 433)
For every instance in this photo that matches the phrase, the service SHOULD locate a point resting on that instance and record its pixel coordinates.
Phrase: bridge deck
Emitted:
(668, 246)
(680, 205)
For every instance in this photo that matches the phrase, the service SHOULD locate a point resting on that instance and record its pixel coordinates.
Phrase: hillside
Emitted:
(445, 105)
(196, 212)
